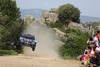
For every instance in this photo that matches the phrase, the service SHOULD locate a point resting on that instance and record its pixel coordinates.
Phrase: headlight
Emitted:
(35, 41)
(21, 38)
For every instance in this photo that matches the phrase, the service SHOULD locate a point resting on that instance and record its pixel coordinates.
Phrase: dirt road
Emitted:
(31, 61)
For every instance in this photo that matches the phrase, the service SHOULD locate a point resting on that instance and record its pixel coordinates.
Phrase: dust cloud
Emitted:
(47, 42)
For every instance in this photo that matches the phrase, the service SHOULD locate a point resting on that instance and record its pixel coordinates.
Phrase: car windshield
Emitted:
(29, 37)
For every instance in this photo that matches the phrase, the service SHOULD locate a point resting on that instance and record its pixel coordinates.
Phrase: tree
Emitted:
(67, 13)
(3, 19)
(11, 26)
(9, 8)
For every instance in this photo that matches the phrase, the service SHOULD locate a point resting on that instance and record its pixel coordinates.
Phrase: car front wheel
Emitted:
(33, 47)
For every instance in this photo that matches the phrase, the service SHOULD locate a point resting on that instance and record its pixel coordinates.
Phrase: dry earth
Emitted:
(32, 61)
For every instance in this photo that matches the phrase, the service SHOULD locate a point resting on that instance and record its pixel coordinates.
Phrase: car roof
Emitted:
(28, 36)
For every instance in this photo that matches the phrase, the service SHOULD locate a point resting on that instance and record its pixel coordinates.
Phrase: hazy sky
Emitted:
(87, 7)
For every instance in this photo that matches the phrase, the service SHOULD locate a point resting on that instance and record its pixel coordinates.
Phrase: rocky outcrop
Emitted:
(75, 26)
(49, 16)
(59, 33)
(98, 26)
(28, 19)
(80, 27)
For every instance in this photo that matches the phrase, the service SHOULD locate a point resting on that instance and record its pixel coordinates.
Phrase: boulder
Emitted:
(75, 26)
(28, 19)
(59, 33)
(49, 16)
(98, 26)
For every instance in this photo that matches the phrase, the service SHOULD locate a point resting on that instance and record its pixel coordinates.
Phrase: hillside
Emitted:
(37, 13)
(34, 12)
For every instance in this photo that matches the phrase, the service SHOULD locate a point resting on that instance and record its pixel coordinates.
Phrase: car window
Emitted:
(29, 37)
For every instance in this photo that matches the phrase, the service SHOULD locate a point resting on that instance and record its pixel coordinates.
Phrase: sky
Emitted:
(86, 7)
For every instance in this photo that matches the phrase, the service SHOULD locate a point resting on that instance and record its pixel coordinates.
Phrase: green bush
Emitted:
(57, 25)
(75, 43)
(8, 52)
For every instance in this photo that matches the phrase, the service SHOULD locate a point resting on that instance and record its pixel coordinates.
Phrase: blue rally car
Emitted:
(28, 40)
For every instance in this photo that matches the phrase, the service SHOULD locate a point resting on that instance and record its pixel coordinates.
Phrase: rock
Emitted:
(49, 16)
(59, 33)
(75, 26)
(98, 26)
(52, 17)
(28, 19)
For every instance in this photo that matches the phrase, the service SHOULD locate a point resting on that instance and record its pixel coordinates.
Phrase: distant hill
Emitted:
(89, 18)
(36, 13)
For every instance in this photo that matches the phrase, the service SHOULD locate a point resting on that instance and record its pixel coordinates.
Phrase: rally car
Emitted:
(28, 40)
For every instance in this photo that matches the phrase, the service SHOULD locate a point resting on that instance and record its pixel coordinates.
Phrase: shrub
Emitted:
(57, 25)
(75, 43)
(8, 52)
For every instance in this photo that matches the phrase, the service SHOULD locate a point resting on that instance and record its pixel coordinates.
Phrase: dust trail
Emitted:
(47, 42)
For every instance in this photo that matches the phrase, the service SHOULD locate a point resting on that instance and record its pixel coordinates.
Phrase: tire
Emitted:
(33, 47)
